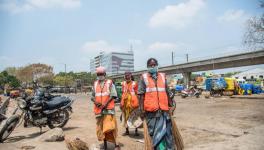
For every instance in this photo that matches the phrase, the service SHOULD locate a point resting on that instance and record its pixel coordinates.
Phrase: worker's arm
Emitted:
(93, 96)
(93, 99)
(113, 96)
(141, 95)
(170, 95)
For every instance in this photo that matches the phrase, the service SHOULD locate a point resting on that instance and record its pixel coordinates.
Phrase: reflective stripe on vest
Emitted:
(156, 95)
(134, 100)
(124, 84)
(155, 89)
(102, 95)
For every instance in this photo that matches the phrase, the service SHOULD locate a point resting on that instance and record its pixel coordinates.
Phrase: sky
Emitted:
(58, 32)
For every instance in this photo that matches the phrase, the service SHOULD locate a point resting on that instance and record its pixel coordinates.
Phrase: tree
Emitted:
(63, 80)
(254, 37)
(5, 78)
(40, 72)
(11, 71)
(46, 80)
(230, 74)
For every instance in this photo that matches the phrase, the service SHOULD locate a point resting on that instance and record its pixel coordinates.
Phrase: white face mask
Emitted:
(101, 78)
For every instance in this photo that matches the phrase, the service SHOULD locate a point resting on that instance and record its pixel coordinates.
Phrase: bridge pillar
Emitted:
(186, 78)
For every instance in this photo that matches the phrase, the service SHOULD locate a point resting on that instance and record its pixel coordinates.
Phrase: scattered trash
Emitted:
(140, 141)
(76, 144)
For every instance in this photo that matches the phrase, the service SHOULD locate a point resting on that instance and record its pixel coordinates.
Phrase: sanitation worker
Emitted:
(129, 100)
(103, 96)
(156, 107)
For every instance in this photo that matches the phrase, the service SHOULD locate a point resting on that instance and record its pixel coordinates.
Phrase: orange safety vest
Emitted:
(102, 95)
(133, 91)
(155, 97)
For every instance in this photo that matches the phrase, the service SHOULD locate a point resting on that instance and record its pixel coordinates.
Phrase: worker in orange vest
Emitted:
(129, 100)
(155, 103)
(103, 96)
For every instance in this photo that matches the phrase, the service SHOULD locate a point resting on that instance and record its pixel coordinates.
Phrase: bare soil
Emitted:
(206, 124)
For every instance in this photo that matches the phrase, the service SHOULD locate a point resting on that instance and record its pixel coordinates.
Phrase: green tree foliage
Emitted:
(74, 79)
(64, 80)
(12, 81)
(43, 74)
(230, 74)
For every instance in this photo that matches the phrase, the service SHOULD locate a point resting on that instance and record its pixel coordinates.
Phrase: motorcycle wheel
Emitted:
(9, 127)
(197, 96)
(59, 120)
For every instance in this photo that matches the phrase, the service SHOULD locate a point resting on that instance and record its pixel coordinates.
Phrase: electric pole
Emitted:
(65, 78)
(187, 57)
(172, 58)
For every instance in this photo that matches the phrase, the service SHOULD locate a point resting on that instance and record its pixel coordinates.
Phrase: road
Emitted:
(215, 123)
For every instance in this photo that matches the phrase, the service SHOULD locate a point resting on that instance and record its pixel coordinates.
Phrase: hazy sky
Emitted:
(56, 32)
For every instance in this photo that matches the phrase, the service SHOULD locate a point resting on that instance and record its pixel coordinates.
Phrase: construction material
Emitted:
(246, 88)
(230, 83)
(219, 84)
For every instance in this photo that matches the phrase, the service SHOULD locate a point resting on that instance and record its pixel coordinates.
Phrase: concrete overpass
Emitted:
(230, 61)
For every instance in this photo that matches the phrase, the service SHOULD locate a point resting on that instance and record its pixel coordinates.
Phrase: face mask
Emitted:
(101, 78)
(153, 70)
(128, 80)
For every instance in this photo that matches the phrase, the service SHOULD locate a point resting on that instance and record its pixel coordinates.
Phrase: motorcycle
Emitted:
(3, 109)
(39, 111)
(190, 93)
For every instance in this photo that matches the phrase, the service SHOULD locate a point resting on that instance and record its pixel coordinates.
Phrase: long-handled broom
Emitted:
(147, 138)
(177, 136)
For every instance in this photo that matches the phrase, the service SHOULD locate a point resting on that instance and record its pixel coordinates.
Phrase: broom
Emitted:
(147, 139)
(177, 136)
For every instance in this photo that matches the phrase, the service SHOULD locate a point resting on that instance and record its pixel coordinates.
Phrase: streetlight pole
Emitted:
(65, 78)
(172, 58)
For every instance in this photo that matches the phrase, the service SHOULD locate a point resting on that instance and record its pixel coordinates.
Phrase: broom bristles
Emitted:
(148, 142)
(177, 136)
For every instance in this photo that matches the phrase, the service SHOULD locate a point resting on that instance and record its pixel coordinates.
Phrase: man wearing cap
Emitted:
(129, 100)
(103, 96)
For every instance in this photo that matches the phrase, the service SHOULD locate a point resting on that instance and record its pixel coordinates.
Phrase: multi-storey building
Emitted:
(114, 62)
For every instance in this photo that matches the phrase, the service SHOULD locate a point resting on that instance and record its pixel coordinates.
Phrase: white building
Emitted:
(114, 62)
(256, 73)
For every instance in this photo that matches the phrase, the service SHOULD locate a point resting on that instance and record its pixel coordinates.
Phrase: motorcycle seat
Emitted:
(57, 102)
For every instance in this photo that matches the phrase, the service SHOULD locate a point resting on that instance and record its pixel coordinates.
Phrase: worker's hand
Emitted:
(142, 114)
(97, 104)
(103, 107)
(172, 109)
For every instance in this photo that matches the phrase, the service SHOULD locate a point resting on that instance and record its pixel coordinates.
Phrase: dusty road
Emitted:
(218, 123)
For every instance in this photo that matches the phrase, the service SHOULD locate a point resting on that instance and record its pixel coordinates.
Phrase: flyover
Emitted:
(229, 61)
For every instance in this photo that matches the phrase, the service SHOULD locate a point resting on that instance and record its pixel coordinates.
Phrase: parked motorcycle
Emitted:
(3, 109)
(191, 93)
(40, 110)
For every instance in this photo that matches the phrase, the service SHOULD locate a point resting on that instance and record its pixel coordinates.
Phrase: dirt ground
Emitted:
(206, 124)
